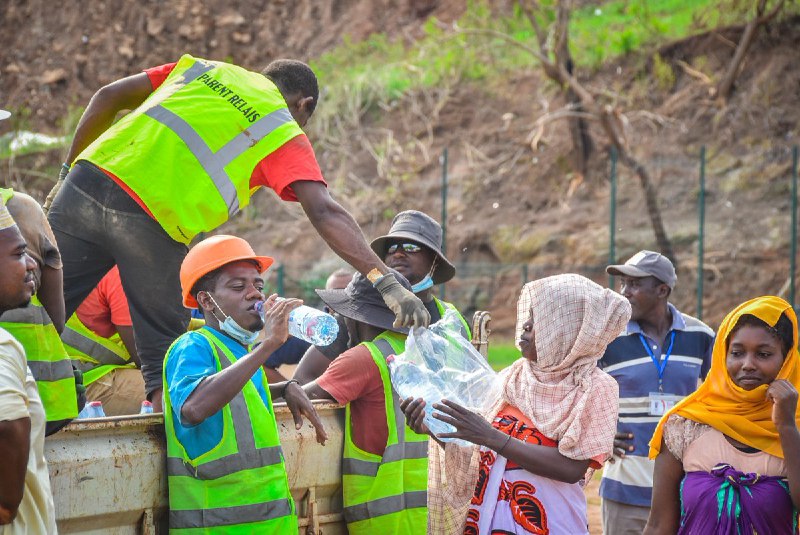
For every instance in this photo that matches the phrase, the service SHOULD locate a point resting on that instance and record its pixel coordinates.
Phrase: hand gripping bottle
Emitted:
(410, 381)
(309, 324)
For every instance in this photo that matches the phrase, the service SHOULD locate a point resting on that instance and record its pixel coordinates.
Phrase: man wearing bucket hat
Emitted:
(220, 427)
(657, 361)
(385, 464)
(26, 501)
(413, 247)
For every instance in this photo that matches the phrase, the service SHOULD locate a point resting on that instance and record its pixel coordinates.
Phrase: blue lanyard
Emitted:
(660, 365)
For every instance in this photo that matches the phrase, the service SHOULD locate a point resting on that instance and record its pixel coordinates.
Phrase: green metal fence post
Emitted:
(793, 257)
(444, 211)
(280, 283)
(612, 219)
(701, 201)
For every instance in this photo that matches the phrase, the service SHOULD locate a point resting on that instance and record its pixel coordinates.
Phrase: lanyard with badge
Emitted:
(660, 402)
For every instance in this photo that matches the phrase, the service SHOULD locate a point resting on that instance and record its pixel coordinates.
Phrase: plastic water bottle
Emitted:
(309, 324)
(93, 409)
(147, 407)
(410, 381)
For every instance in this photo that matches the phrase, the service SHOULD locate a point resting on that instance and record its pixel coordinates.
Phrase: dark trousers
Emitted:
(97, 224)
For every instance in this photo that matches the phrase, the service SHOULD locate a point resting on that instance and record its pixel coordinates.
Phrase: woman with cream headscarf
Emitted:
(728, 456)
(554, 421)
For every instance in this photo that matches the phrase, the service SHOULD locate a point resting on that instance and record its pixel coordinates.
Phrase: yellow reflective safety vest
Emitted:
(189, 150)
(442, 306)
(240, 485)
(93, 354)
(386, 493)
(48, 360)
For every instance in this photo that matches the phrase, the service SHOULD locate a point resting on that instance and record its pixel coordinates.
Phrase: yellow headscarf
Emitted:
(743, 415)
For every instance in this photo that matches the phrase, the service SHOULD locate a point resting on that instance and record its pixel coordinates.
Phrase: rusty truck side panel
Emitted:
(108, 474)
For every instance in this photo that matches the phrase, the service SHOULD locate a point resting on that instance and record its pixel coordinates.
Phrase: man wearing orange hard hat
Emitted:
(220, 427)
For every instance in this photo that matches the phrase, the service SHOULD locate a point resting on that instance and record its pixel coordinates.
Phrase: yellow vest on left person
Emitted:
(189, 150)
(93, 354)
(48, 360)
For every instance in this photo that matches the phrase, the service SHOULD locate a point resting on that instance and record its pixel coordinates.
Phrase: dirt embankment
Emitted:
(508, 202)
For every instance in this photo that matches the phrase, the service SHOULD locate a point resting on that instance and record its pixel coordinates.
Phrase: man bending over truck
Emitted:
(225, 468)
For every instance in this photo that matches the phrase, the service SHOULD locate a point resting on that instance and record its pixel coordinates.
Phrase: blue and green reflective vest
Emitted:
(239, 486)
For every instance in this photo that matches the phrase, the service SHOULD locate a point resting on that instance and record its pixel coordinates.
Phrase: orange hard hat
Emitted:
(210, 254)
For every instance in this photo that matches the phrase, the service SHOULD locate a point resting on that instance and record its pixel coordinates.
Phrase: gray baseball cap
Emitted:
(647, 264)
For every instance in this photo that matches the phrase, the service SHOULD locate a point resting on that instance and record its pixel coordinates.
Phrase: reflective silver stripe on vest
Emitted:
(395, 452)
(195, 71)
(51, 371)
(201, 151)
(386, 506)
(260, 129)
(248, 456)
(226, 516)
(89, 347)
(31, 314)
(214, 163)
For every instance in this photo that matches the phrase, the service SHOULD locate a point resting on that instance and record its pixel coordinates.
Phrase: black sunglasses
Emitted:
(407, 248)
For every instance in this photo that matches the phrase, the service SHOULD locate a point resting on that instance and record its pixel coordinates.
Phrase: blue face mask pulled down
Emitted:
(230, 327)
(424, 284)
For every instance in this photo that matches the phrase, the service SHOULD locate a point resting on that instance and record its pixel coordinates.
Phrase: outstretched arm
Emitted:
(125, 94)
(544, 461)
(341, 232)
(336, 226)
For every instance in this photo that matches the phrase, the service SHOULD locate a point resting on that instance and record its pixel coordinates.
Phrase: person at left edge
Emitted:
(26, 501)
(225, 467)
(203, 135)
(38, 325)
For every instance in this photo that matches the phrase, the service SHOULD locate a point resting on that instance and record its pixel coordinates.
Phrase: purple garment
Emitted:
(726, 501)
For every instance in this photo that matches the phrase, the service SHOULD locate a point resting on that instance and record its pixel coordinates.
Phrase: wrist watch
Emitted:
(374, 275)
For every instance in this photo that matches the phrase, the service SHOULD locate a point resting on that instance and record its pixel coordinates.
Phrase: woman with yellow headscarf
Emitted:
(728, 456)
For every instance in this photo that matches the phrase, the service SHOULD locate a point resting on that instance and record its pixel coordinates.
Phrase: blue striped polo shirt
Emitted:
(630, 480)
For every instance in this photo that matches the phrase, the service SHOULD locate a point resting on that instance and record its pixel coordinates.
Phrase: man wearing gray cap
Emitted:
(659, 359)
(385, 464)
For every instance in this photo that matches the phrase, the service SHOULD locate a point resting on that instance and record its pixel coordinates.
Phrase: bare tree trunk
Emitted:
(609, 123)
(582, 145)
(725, 86)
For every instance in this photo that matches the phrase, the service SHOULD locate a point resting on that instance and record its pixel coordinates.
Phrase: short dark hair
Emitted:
(782, 330)
(292, 77)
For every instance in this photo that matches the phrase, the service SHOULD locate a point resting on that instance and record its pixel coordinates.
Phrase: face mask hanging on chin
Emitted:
(422, 285)
(234, 330)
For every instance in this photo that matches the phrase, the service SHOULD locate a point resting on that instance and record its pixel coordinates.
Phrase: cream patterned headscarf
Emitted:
(563, 392)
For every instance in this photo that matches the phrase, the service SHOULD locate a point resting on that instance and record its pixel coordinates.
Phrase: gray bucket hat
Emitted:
(422, 229)
(360, 301)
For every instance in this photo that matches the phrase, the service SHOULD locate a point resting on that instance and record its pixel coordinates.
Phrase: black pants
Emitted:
(97, 224)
